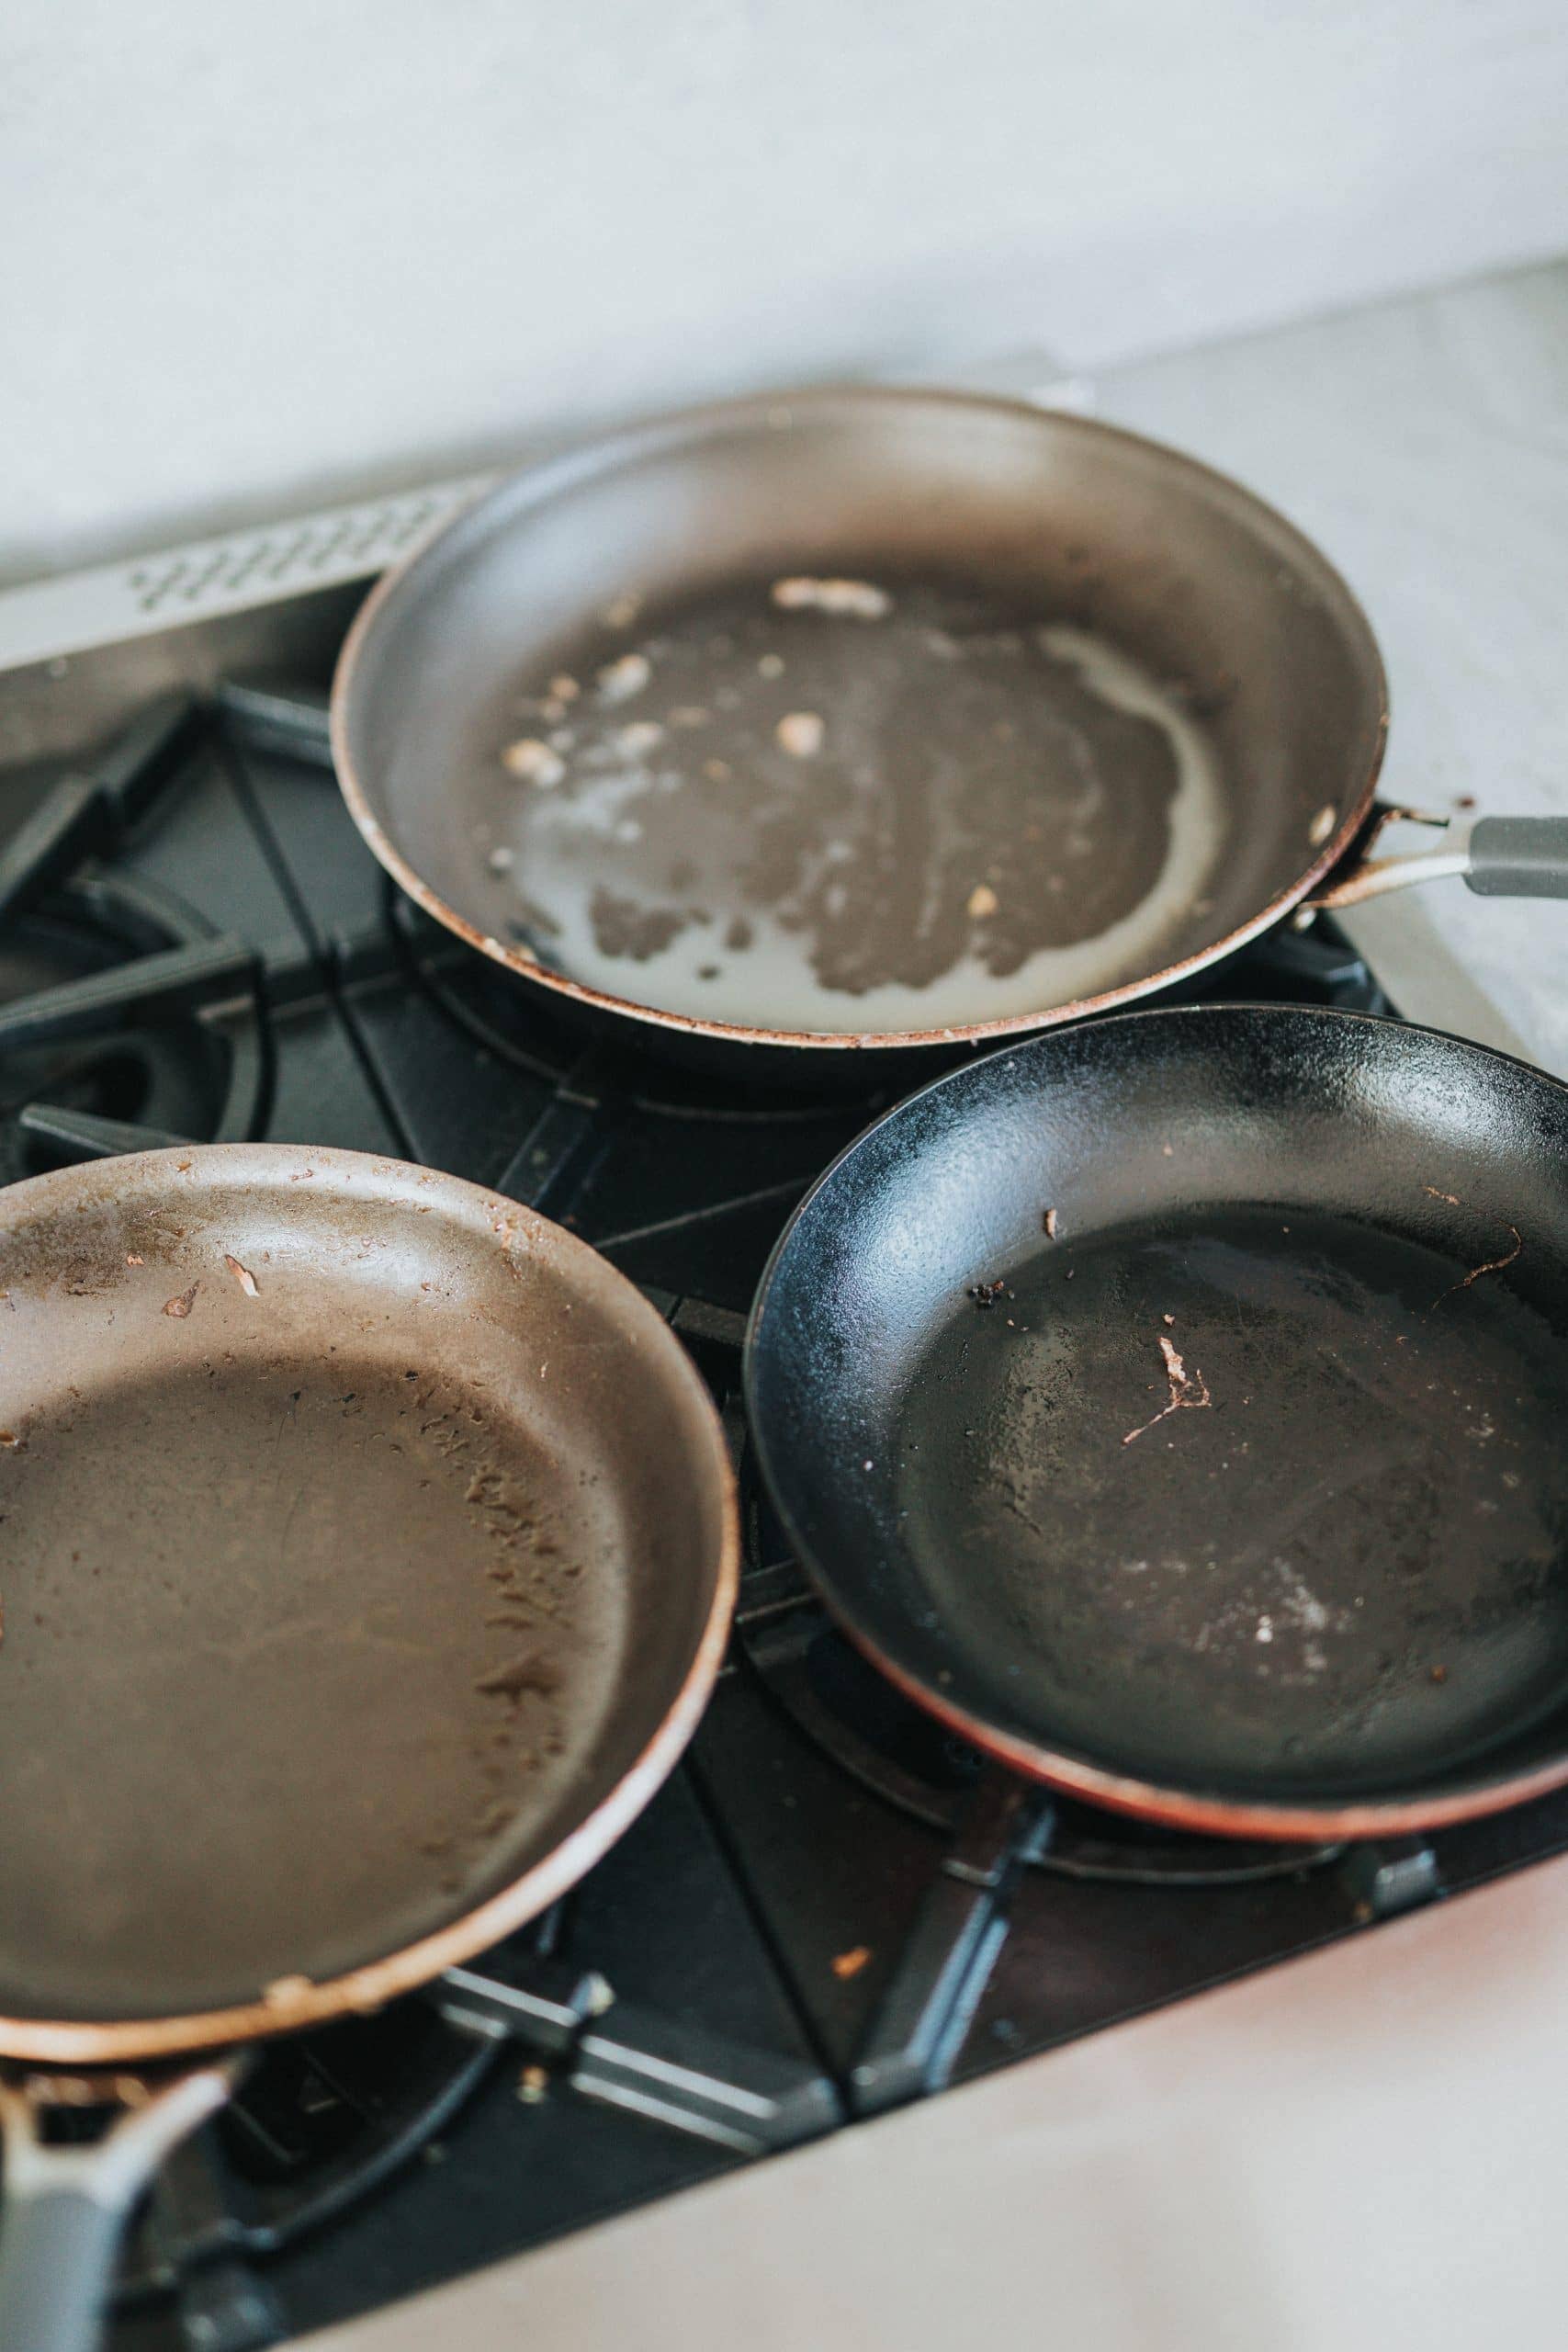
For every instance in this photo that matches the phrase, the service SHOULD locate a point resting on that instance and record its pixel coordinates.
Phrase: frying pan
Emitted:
(370, 1545)
(1174, 1408)
(789, 724)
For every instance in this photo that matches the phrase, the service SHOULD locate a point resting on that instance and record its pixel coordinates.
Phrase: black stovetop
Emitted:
(832, 1906)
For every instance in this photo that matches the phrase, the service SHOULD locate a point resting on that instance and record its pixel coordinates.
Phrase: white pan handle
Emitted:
(65, 2207)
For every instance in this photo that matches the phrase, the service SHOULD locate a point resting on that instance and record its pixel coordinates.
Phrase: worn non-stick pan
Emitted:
(874, 719)
(1175, 1407)
(369, 1545)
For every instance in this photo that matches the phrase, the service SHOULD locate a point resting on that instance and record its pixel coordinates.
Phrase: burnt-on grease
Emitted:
(836, 818)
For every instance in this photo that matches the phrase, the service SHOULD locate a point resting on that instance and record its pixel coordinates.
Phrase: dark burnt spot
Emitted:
(622, 927)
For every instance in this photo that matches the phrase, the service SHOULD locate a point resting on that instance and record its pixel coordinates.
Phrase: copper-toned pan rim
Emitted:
(1174, 1808)
(369, 1987)
(600, 457)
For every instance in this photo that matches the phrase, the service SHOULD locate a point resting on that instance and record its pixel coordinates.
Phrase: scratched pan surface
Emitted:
(1238, 1498)
(368, 1549)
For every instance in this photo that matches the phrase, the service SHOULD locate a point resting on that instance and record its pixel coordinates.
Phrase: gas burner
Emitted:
(127, 1021)
(1312, 965)
(107, 1039)
(510, 1020)
(1315, 966)
(318, 2121)
(842, 1704)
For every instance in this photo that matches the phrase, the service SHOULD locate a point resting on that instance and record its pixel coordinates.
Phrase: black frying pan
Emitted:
(369, 1551)
(1175, 1407)
(875, 720)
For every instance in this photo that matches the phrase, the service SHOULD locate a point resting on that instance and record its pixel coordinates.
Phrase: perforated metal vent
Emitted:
(49, 618)
(293, 556)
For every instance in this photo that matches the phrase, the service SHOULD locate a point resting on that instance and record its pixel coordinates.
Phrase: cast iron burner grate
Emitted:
(127, 1021)
(518, 1025)
(317, 2122)
(841, 1703)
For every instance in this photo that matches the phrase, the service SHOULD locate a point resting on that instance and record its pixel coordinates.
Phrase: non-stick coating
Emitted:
(368, 1548)
(1327, 1592)
(1051, 518)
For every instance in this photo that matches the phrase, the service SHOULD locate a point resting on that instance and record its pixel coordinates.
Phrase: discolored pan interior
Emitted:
(1174, 1405)
(861, 715)
(366, 1553)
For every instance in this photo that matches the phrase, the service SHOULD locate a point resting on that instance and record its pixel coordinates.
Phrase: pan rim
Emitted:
(533, 485)
(369, 1986)
(1170, 1804)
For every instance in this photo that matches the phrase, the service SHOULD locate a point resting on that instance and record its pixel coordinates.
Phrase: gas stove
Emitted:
(833, 1907)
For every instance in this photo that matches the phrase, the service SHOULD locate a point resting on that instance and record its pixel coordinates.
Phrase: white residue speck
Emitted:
(800, 734)
(642, 735)
(618, 681)
(856, 598)
(533, 761)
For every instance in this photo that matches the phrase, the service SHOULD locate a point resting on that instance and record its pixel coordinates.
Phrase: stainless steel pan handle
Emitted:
(65, 2206)
(1498, 857)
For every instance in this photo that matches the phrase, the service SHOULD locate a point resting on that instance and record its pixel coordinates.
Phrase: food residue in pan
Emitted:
(619, 681)
(1189, 1390)
(242, 1276)
(800, 733)
(911, 839)
(529, 1670)
(849, 1963)
(1490, 1265)
(181, 1307)
(860, 598)
(535, 762)
(987, 1294)
(284, 1991)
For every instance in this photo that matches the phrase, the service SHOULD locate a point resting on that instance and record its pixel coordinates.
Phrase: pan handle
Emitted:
(65, 2205)
(1498, 857)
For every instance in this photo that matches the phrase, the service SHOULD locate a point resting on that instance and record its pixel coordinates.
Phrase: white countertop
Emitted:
(1424, 444)
(1369, 2148)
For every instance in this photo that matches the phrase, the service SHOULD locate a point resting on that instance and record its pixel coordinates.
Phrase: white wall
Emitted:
(252, 254)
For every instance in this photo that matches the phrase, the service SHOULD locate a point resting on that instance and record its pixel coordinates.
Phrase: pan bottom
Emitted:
(1260, 1501)
(366, 1626)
